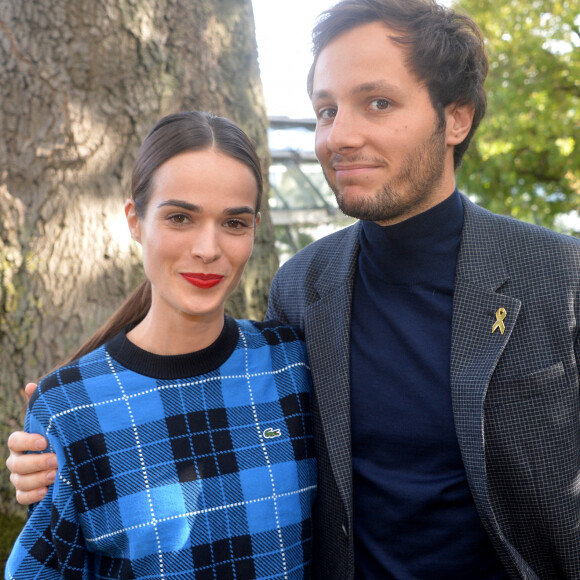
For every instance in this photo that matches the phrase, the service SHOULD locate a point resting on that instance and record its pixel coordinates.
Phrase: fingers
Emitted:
(29, 464)
(33, 482)
(31, 474)
(20, 441)
(29, 389)
(29, 497)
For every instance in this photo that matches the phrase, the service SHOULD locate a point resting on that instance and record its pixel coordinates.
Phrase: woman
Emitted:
(182, 436)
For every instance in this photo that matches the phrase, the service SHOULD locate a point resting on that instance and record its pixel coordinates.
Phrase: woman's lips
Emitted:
(203, 280)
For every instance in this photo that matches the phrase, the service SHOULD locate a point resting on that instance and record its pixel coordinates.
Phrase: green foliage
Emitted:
(525, 158)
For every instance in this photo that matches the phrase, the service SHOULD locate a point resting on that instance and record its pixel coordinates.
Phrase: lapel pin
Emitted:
(499, 318)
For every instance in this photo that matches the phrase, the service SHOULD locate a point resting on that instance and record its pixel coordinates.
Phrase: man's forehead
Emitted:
(363, 59)
(366, 40)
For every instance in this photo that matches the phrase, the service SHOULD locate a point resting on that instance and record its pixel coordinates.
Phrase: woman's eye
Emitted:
(236, 224)
(380, 104)
(178, 218)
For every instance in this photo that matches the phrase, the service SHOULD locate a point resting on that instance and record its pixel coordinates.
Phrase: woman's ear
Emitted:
(132, 220)
(459, 119)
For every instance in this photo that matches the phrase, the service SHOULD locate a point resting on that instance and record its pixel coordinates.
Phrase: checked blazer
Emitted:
(515, 395)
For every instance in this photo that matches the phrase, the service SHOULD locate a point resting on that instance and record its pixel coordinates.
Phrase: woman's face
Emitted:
(197, 233)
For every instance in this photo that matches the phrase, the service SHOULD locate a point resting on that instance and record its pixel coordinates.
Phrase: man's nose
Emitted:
(345, 132)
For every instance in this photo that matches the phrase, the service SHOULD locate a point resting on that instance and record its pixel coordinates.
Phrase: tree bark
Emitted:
(81, 82)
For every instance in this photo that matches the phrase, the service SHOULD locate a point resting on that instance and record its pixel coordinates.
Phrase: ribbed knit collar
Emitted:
(422, 249)
(179, 366)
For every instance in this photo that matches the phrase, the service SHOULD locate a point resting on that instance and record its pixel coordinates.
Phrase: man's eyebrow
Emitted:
(319, 95)
(374, 86)
(363, 88)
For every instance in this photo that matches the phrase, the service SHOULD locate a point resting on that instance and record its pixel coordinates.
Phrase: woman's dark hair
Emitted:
(444, 49)
(172, 135)
(186, 132)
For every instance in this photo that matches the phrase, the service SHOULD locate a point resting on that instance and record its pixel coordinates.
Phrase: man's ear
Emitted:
(133, 221)
(459, 119)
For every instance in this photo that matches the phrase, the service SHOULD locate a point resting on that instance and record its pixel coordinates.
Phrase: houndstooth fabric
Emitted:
(515, 395)
(204, 475)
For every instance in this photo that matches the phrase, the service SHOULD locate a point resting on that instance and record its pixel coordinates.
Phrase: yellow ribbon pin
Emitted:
(499, 318)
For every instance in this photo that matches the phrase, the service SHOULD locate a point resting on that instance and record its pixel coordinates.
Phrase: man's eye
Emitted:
(327, 114)
(380, 104)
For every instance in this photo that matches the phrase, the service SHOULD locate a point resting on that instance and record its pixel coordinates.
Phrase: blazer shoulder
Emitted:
(528, 245)
(323, 265)
(482, 217)
(337, 248)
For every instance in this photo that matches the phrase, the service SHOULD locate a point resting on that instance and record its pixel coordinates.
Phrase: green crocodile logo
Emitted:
(271, 433)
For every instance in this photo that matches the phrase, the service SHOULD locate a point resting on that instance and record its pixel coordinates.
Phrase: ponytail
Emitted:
(132, 311)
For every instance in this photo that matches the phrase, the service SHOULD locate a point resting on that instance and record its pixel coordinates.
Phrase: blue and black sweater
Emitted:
(191, 466)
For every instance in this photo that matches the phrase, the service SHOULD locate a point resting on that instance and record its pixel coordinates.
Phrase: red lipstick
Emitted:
(204, 281)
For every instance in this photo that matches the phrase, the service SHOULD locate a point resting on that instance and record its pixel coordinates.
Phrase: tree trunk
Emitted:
(81, 82)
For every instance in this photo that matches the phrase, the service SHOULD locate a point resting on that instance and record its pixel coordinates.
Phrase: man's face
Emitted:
(384, 151)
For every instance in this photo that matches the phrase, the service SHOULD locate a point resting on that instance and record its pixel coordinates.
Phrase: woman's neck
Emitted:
(179, 334)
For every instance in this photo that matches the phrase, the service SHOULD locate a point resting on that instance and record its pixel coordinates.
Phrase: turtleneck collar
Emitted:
(422, 249)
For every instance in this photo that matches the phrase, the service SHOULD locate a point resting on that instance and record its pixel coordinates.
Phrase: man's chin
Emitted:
(366, 211)
(356, 201)
(356, 211)
(354, 204)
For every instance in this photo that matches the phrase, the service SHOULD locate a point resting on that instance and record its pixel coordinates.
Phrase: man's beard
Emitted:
(420, 173)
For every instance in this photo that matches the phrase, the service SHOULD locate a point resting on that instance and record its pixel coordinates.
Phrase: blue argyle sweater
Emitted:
(184, 467)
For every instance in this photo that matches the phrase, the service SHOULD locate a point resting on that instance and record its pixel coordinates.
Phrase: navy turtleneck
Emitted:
(414, 516)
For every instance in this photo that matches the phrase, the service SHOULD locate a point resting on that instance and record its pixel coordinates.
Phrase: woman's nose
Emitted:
(206, 245)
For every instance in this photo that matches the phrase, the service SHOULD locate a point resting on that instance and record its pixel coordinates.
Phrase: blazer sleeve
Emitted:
(275, 310)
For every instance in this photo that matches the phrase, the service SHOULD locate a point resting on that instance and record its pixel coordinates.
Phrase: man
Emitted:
(443, 339)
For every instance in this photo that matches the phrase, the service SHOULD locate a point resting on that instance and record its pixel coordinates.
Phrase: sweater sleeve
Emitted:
(51, 544)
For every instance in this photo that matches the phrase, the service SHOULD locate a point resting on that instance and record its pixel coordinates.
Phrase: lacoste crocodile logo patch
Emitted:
(271, 433)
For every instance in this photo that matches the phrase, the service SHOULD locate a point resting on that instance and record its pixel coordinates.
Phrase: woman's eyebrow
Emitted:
(182, 204)
(243, 209)
(239, 210)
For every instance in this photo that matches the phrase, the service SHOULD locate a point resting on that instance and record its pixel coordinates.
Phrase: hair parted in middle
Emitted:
(184, 132)
(444, 49)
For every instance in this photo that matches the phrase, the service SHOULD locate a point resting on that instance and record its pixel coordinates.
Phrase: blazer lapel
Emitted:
(327, 327)
(475, 346)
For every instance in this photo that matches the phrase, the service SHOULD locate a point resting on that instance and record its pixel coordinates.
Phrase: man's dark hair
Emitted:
(444, 49)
